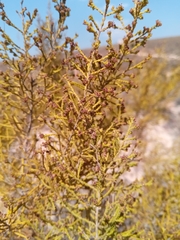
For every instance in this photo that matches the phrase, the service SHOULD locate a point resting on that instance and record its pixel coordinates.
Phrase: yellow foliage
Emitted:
(63, 155)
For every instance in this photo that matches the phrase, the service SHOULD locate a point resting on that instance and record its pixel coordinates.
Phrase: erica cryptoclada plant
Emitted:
(68, 184)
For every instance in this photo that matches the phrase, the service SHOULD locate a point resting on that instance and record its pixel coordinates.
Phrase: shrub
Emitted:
(158, 211)
(156, 89)
(67, 183)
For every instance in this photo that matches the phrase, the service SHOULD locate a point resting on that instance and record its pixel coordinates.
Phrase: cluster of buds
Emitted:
(63, 10)
(158, 23)
(110, 90)
(111, 24)
(2, 13)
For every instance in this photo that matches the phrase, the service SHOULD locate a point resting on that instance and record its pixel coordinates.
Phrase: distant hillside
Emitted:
(170, 47)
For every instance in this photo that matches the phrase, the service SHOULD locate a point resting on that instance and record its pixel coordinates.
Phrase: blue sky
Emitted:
(167, 11)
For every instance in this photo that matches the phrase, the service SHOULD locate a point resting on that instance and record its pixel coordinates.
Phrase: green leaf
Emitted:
(128, 233)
